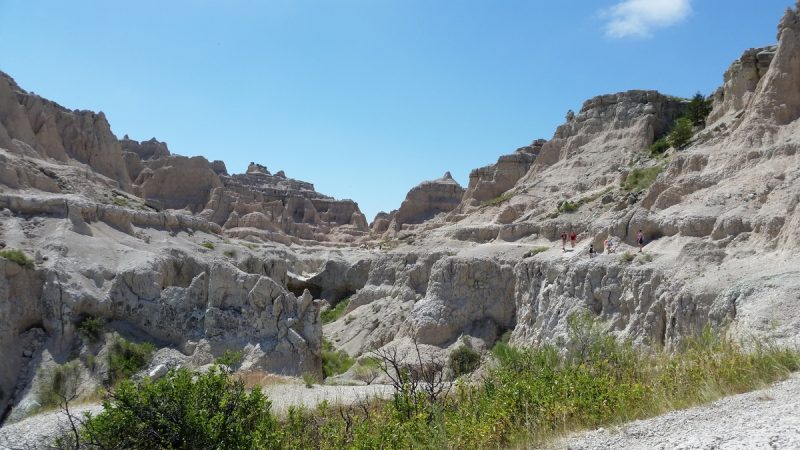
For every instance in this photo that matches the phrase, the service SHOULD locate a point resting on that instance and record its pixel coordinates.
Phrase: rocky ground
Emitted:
(765, 419)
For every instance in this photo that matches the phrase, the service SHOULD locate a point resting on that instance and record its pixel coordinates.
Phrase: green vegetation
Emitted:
(367, 369)
(534, 251)
(333, 314)
(309, 379)
(464, 360)
(229, 359)
(333, 362)
(681, 133)
(641, 179)
(230, 253)
(17, 256)
(626, 257)
(125, 358)
(120, 201)
(91, 328)
(660, 146)
(181, 410)
(208, 245)
(499, 200)
(61, 385)
(698, 110)
(527, 397)
(567, 207)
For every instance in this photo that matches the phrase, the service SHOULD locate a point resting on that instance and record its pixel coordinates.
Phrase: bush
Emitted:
(698, 110)
(309, 379)
(568, 207)
(333, 314)
(125, 358)
(91, 328)
(18, 257)
(681, 133)
(333, 362)
(62, 384)
(183, 410)
(641, 179)
(230, 253)
(627, 257)
(367, 370)
(464, 360)
(208, 245)
(660, 146)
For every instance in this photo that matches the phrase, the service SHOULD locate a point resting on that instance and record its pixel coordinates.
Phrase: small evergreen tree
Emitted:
(698, 110)
(681, 133)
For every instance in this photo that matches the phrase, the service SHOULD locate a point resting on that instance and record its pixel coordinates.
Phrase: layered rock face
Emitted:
(487, 183)
(422, 203)
(42, 128)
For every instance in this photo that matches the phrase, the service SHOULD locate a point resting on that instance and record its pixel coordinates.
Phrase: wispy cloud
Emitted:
(639, 18)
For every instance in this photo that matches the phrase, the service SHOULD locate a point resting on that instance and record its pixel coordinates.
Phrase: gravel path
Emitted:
(38, 431)
(765, 419)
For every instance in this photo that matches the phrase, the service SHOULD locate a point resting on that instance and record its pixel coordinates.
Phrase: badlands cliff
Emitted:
(175, 251)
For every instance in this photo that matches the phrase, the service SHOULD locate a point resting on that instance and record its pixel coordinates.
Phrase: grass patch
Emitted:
(528, 396)
(309, 379)
(534, 251)
(626, 257)
(207, 244)
(659, 146)
(230, 253)
(499, 200)
(120, 201)
(333, 362)
(17, 256)
(333, 314)
(641, 179)
(125, 358)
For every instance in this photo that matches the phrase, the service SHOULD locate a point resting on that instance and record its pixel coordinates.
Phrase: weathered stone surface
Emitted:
(422, 203)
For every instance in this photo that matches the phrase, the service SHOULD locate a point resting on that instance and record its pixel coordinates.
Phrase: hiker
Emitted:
(572, 238)
(640, 240)
(564, 241)
(609, 245)
(592, 253)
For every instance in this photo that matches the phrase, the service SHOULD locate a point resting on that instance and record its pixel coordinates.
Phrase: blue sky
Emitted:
(365, 98)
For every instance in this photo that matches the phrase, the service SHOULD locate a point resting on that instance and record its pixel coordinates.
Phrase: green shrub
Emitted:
(367, 370)
(641, 179)
(660, 146)
(183, 410)
(125, 358)
(333, 314)
(698, 109)
(18, 257)
(230, 253)
(61, 385)
(499, 200)
(681, 133)
(333, 362)
(309, 379)
(207, 244)
(91, 328)
(229, 359)
(464, 360)
(568, 207)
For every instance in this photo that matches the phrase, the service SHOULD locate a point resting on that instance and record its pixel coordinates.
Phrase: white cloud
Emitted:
(639, 18)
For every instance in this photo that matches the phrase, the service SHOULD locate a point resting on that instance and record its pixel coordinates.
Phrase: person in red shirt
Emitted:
(572, 238)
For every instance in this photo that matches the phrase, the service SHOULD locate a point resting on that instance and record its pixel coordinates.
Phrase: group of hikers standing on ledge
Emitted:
(608, 244)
